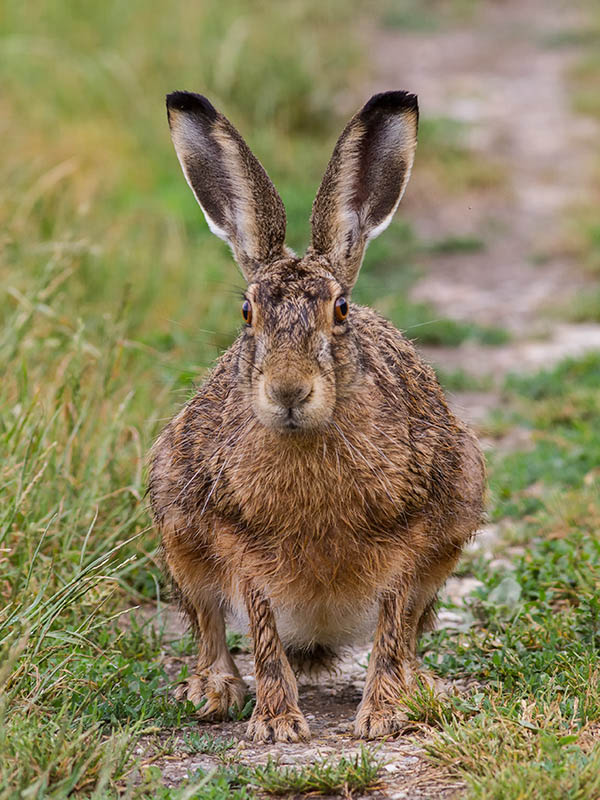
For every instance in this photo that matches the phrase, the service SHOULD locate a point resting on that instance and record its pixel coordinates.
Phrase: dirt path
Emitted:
(502, 75)
(329, 704)
(499, 74)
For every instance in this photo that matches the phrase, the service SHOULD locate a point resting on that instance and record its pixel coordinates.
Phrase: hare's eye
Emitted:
(247, 312)
(341, 309)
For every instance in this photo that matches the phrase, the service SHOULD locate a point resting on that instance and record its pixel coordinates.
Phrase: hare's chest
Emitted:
(313, 507)
(314, 539)
(335, 485)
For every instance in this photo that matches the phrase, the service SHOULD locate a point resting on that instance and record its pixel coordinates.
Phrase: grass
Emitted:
(114, 298)
(581, 237)
(584, 73)
(450, 163)
(585, 307)
(326, 776)
(458, 380)
(387, 275)
(581, 231)
(411, 15)
(344, 776)
(529, 723)
(560, 406)
(451, 245)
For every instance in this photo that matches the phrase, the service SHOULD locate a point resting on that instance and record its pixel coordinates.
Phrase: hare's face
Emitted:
(298, 357)
(292, 361)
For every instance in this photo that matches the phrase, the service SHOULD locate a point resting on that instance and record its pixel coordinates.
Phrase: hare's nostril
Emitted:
(289, 395)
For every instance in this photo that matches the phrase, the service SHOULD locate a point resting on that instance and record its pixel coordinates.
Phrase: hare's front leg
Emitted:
(215, 685)
(392, 661)
(276, 717)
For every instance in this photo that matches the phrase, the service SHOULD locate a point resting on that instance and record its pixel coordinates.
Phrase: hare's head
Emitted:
(298, 357)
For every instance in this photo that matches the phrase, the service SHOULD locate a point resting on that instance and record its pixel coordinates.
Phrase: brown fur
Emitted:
(318, 473)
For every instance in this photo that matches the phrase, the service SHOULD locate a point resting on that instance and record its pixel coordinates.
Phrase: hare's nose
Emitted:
(289, 395)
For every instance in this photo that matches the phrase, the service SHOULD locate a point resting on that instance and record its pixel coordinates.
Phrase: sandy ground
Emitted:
(498, 73)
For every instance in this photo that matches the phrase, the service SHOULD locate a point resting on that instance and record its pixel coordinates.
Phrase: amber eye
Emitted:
(341, 309)
(247, 312)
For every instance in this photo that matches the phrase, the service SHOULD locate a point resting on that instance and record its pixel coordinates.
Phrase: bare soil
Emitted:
(329, 703)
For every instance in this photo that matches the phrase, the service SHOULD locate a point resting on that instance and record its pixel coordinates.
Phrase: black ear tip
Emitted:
(392, 102)
(191, 102)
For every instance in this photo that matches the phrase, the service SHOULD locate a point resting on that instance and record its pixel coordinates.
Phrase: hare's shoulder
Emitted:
(181, 454)
(204, 411)
(393, 359)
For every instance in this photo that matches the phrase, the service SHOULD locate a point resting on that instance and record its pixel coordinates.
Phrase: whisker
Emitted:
(250, 363)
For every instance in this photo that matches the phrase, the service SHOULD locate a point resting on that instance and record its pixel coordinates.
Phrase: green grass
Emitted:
(581, 236)
(458, 380)
(585, 307)
(326, 776)
(531, 655)
(450, 163)
(451, 245)
(391, 266)
(582, 231)
(114, 298)
(584, 75)
(410, 15)
(561, 408)
(344, 776)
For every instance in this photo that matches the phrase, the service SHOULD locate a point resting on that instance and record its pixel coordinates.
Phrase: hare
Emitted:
(317, 483)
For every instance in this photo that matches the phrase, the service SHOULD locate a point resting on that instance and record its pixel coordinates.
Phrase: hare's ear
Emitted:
(240, 203)
(364, 181)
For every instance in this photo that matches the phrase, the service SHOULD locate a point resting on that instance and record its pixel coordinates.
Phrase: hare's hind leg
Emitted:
(389, 671)
(276, 717)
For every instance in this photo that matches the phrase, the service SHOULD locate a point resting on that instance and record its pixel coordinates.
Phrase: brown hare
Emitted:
(317, 482)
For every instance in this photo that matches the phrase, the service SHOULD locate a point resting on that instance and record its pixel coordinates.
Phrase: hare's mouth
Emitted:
(291, 422)
(289, 419)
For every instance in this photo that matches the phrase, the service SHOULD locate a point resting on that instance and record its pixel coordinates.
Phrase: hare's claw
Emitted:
(215, 693)
(373, 723)
(288, 727)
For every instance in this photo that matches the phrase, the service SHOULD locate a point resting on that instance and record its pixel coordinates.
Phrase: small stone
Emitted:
(457, 589)
(343, 727)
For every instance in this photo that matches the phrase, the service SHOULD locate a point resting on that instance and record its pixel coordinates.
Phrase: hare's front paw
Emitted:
(372, 722)
(288, 727)
(220, 691)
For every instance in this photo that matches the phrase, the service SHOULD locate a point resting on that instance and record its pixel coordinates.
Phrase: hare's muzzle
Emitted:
(289, 395)
(293, 402)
